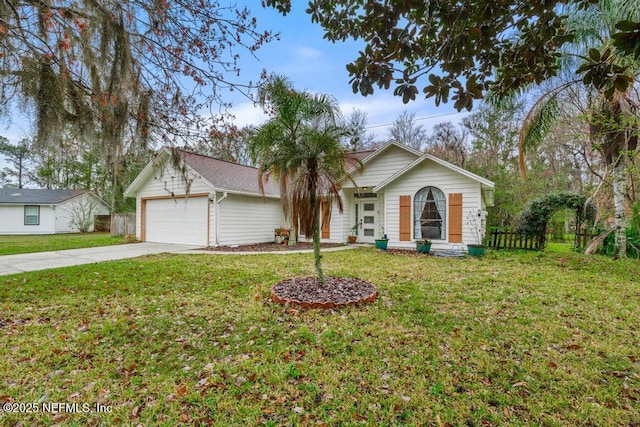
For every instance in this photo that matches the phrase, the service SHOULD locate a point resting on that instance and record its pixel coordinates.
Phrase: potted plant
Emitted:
(477, 249)
(382, 243)
(423, 246)
(353, 235)
(281, 235)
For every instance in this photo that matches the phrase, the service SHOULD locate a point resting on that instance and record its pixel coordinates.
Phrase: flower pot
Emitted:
(352, 239)
(423, 247)
(382, 244)
(476, 250)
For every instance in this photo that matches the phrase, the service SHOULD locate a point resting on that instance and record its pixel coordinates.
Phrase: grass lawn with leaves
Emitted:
(22, 244)
(508, 339)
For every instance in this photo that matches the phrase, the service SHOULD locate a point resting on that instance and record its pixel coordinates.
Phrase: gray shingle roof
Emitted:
(37, 196)
(227, 175)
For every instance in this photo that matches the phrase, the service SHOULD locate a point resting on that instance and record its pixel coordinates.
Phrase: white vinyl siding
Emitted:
(64, 210)
(12, 220)
(248, 219)
(382, 167)
(177, 220)
(430, 173)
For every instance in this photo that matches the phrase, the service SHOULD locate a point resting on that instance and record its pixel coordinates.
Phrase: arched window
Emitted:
(429, 214)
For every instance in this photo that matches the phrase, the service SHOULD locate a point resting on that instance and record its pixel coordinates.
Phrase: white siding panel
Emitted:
(431, 174)
(65, 209)
(245, 219)
(12, 220)
(382, 167)
(177, 220)
(337, 233)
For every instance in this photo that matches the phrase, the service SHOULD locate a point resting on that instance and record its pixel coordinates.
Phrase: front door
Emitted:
(367, 220)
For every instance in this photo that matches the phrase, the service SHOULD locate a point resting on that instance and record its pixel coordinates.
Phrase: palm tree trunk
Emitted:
(619, 202)
(316, 250)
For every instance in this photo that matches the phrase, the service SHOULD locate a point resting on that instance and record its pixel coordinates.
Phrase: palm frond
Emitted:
(536, 125)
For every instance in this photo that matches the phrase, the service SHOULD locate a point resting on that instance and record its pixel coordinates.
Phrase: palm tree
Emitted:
(300, 146)
(609, 76)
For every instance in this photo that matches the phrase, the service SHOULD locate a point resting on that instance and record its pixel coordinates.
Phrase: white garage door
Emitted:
(180, 220)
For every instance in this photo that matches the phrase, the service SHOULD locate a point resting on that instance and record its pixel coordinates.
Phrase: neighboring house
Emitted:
(36, 211)
(224, 205)
(400, 192)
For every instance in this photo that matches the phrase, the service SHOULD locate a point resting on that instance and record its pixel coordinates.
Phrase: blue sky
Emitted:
(311, 63)
(317, 65)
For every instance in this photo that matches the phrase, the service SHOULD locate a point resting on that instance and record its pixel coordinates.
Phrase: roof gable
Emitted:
(366, 156)
(485, 182)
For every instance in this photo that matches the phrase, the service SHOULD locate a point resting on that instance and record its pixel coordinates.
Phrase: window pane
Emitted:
(368, 206)
(369, 220)
(368, 232)
(32, 215)
(429, 213)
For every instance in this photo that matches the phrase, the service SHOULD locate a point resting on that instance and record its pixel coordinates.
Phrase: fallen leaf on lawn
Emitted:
(181, 390)
(135, 412)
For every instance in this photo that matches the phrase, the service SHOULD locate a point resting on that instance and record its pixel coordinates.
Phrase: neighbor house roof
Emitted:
(37, 196)
(229, 176)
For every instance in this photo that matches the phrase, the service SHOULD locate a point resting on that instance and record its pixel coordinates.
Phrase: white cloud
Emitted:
(307, 52)
(247, 113)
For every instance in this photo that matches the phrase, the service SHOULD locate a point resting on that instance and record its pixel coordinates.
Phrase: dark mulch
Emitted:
(407, 252)
(335, 291)
(270, 247)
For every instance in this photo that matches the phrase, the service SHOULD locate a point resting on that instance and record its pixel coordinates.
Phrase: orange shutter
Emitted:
(455, 218)
(405, 218)
(326, 221)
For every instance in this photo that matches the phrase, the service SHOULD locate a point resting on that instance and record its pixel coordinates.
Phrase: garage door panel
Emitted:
(179, 220)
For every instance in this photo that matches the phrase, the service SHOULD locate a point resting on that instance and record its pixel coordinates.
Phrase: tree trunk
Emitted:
(620, 214)
(316, 250)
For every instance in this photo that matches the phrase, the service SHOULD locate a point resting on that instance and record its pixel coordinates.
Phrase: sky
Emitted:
(319, 66)
(311, 63)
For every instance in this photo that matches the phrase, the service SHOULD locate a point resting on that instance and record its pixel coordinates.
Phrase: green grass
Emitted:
(22, 244)
(510, 339)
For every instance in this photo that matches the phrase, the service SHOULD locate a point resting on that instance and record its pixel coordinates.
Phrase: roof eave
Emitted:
(247, 193)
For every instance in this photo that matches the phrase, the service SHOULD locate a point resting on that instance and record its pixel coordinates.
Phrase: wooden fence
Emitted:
(512, 239)
(123, 224)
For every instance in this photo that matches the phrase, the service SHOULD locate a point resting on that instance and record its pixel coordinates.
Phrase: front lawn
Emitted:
(510, 339)
(22, 244)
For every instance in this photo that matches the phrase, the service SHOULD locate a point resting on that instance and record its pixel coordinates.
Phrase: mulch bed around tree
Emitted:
(271, 247)
(335, 292)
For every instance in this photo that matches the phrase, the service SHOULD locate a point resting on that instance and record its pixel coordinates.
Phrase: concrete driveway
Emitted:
(11, 264)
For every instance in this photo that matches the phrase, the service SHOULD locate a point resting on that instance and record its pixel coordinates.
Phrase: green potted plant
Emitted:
(382, 242)
(477, 249)
(423, 246)
(353, 235)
